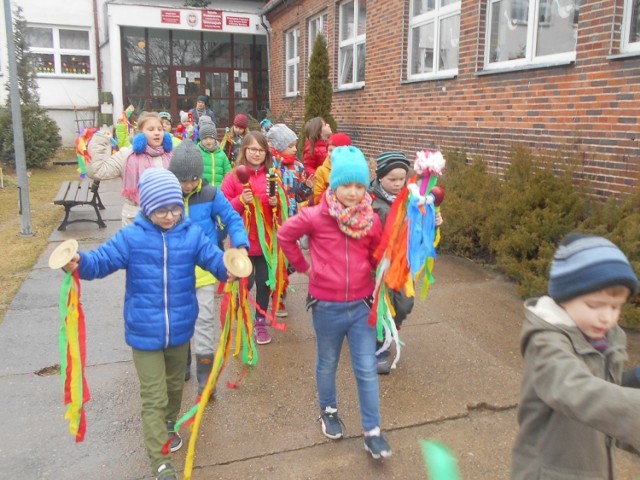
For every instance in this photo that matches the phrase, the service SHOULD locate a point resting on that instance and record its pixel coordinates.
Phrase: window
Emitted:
(434, 35)
(317, 25)
(631, 28)
(293, 60)
(521, 32)
(352, 45)
(60, 50)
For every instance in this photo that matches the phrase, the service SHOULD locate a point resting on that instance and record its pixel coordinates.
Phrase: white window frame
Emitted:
(292, 63)
(320, 22)
(531, 24)
(354, 42)
(58, 52)
(436, 17)
(626, 45)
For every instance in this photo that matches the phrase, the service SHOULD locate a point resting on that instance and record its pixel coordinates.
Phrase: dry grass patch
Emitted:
(19, 253)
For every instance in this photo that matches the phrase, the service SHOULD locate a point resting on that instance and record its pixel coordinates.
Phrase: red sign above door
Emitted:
(170, 16)
(212, 19)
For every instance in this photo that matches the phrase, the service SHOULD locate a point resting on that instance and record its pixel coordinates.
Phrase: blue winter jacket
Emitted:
(203, 206)
(160, 305)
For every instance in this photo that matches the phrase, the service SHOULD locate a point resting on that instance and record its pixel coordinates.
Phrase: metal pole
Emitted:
(18, 137)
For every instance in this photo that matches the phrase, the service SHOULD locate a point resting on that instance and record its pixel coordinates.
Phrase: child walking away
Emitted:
(572, 408)
(151, 148)
(159, 252)
(216, 163)
(233, 137)
(317, 132)
(262, 212)
(324, 171)
(343, 234)
(203, 205)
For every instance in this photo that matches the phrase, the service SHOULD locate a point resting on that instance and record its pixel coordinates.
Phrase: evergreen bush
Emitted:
(41, 133)
(517, 222)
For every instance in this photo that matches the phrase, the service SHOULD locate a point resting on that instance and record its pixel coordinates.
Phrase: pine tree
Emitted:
(317, 101)
(41, 133)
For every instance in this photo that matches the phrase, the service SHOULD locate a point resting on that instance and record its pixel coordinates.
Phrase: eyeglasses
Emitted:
(255, 151)
(175, 211)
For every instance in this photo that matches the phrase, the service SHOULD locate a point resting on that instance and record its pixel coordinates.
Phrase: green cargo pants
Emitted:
(161, 375)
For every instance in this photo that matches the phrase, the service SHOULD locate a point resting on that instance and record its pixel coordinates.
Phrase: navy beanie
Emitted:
(584, 264)
(348, 165)
(158, 188)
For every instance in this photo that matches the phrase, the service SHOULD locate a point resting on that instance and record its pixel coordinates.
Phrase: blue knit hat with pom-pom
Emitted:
(348, 165)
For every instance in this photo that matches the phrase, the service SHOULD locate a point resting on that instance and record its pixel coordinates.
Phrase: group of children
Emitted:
(571, 409)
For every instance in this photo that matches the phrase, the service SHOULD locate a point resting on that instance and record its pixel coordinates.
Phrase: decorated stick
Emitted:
(72, 341)
(234, 311)
(244, 174)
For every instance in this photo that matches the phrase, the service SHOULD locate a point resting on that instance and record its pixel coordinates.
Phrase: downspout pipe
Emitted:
(97, 41)
(263, 21)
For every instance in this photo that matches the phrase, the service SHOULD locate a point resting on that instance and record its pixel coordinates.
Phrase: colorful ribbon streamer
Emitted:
(73, 354)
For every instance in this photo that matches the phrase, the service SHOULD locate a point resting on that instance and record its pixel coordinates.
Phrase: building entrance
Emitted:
(169, 69)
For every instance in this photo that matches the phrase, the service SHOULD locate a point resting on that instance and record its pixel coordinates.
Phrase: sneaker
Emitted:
(282, 311)
(176, 439)
(376, 445)
(262, 333)
(166, 472)
(383, 363)
(331, 423)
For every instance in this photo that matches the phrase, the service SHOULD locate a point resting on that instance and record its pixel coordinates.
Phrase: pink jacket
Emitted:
(232, 189)
(312, 160)
(342, 266)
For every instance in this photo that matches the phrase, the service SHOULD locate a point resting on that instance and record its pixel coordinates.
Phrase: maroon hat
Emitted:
(340, 140)
(241, 121)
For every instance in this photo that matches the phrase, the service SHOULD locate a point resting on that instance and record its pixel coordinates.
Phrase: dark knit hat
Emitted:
(280, 136)
(158, 188)
(388, 161)
(585, 264)
(186, 161)
(340, 140)
(206, 128)
(241, 121)
(202, 98)
(348, 165)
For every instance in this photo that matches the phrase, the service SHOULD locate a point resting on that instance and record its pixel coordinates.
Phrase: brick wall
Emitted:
(586, 111)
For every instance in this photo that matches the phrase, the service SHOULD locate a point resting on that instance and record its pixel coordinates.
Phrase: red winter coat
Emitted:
(312, 160)
(232, 189)
(342, 267)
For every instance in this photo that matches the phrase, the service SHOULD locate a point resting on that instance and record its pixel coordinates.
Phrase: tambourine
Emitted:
(237, 263)
(63, 254)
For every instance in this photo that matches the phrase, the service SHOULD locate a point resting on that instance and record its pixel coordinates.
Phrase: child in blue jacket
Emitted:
(205, 205)
(159, 251)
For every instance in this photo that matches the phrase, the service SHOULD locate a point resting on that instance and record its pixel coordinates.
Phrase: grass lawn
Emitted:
(19, 253)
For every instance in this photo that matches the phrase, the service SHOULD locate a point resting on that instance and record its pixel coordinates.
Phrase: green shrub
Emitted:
(41, 137)
(517, 222)
(470, 195)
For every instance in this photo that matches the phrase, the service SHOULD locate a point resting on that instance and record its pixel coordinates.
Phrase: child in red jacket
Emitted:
(317, 132)
(343, 235)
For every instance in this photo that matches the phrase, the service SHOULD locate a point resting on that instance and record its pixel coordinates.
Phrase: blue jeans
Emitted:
(333, 321)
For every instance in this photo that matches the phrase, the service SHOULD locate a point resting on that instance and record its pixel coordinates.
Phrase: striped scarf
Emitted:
(354, 221)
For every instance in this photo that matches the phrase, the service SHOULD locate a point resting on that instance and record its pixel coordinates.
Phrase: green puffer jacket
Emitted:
(216, 165)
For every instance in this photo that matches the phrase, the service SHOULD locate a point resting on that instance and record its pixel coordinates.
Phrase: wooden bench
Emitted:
(83, 192)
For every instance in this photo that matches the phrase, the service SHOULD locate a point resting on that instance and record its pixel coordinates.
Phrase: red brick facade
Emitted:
(588, 109)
